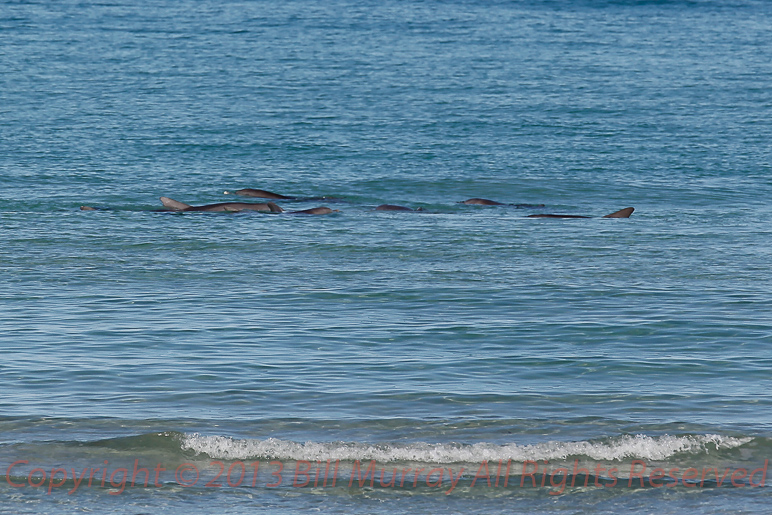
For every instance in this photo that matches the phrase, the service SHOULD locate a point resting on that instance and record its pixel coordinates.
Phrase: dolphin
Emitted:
(392, 207)
(323, 210)
(220, 207)
(250, 192)
(622, 213)
(481, 202)
(487, 202)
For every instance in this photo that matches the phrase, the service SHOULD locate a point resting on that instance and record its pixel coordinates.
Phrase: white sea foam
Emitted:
(618, 448)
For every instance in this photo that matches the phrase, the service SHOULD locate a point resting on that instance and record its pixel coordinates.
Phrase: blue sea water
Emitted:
(244, 362)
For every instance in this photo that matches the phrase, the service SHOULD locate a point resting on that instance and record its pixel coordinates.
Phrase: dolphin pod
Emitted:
(273, 208)
(270, 207)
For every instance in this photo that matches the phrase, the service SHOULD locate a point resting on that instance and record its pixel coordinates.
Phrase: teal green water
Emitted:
(442, 339)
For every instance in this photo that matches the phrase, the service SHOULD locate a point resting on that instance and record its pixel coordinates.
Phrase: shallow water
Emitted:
(443, 339)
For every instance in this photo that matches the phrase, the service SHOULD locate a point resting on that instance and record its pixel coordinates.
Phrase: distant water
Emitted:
(356, 362)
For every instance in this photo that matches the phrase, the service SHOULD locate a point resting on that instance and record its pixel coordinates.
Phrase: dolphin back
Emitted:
(323, 210)
(251, 192)
(482, 202)
(392, 207)
(173, 204)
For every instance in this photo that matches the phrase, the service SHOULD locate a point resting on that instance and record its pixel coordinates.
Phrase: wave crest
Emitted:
(616, 448)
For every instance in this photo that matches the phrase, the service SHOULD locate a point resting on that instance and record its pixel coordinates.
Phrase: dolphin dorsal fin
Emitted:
(173, 204)
(275, 208)
(622, 213)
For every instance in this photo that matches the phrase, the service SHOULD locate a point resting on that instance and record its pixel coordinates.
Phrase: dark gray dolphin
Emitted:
(487, 202)
(622, 213)
(481, 202)
(250, 192)
(323, 210)
(392, 207)
(230, 207)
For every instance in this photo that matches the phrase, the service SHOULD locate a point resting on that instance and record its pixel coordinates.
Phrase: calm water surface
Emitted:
(490, 361)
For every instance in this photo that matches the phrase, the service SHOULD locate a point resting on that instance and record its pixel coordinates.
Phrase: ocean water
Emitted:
(461, 359)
